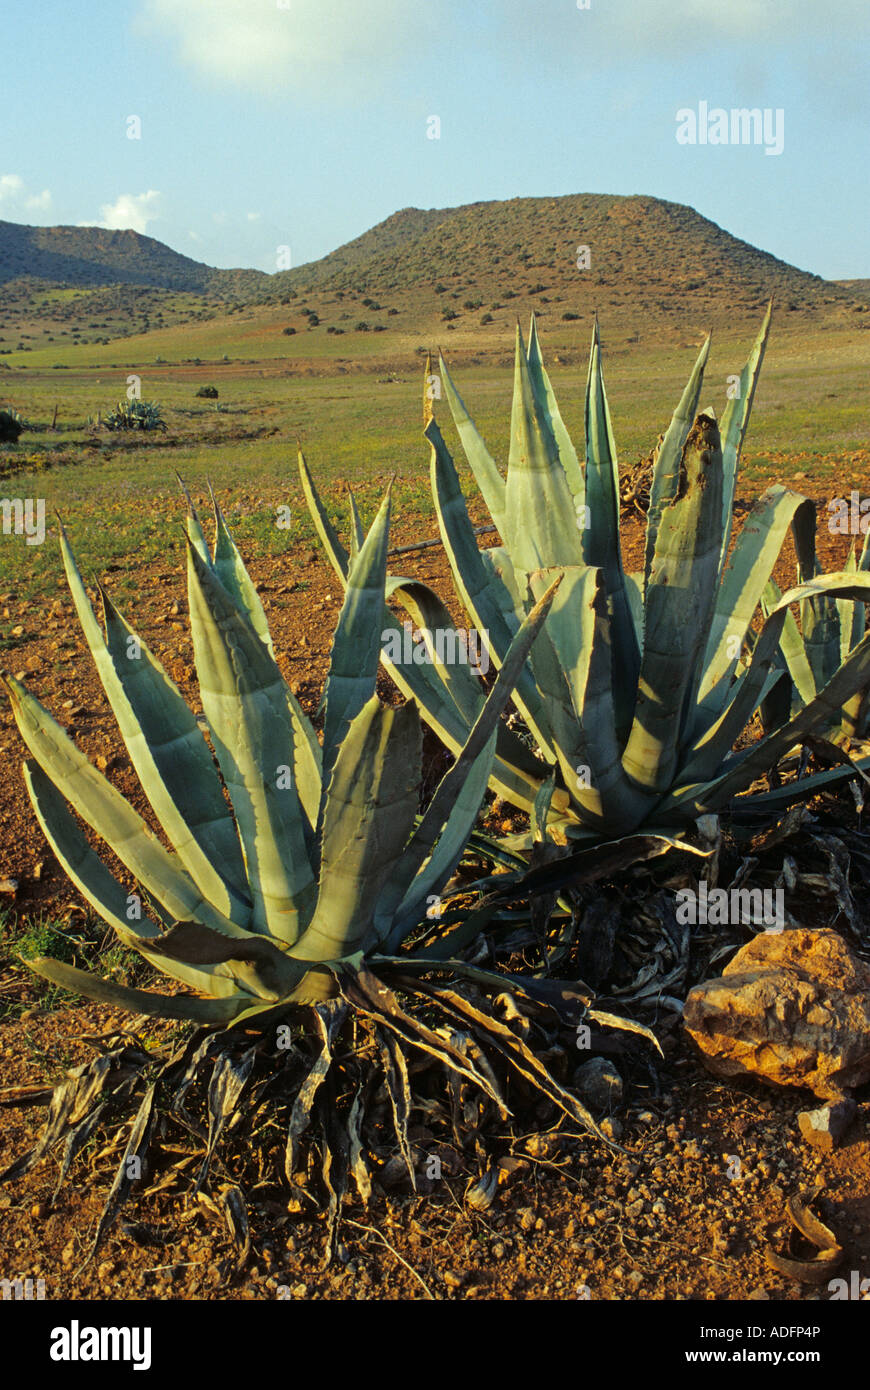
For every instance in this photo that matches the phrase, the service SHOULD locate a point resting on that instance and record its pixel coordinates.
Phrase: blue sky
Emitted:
(301, 123)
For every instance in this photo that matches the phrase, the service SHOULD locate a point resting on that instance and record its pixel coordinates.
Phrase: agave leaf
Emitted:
(168, 751)
(600, 546)
(791, 645)
(102, 890)
(627, 1025)
(396, 1077)
(666, 473)
(449, 945)
(742, 588)
(591, 863)
(601, 539)
(481, 462)
(245, 701)
(357, 534)
(853, 623)
(850, 634)
(820, 623)
(329, 1018)
(195, 533)
(228, 1079)
(735, 420)
(541, 809)
(108, 813)
(139, 1001)
(356, 645)
(371, 804)
(230, 569)
(137, 1148)
(356, 1149)
(634, 588)
(257, 963)
(772, 803)
(329, 536)
(307, 759)
(679, 600)
(550, 410)
(540, 523)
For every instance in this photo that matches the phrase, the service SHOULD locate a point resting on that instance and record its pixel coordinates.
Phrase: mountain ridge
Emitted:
(621, 254)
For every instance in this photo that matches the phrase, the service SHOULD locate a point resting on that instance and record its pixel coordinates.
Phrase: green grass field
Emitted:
(359, 421)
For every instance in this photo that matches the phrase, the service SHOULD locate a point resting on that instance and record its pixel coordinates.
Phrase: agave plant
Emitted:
(135, 414)
(299, 874)
(639, 685)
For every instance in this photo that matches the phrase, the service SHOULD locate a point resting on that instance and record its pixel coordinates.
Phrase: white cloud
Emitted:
(131, 211)
(254, 216)
(16, 198)
(264, 43)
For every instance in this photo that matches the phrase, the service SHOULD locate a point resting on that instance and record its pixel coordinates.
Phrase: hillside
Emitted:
(644, 253)
(469, 270)
(90, 256)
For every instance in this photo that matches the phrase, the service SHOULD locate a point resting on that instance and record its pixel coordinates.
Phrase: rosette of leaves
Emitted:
(296, 877)
(135, 414)
(640, 684)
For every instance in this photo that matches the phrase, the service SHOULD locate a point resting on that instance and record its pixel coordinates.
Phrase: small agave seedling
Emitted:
(298, 875)
(639, 685)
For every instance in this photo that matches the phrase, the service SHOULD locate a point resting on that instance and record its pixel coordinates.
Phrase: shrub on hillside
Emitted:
(209, 392)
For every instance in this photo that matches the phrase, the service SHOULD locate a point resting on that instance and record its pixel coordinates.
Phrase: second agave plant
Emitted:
(639, 684)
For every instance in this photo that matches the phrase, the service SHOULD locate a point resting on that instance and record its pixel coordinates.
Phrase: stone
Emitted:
(792, 1008)
(824, 1128)
(599, 1083)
